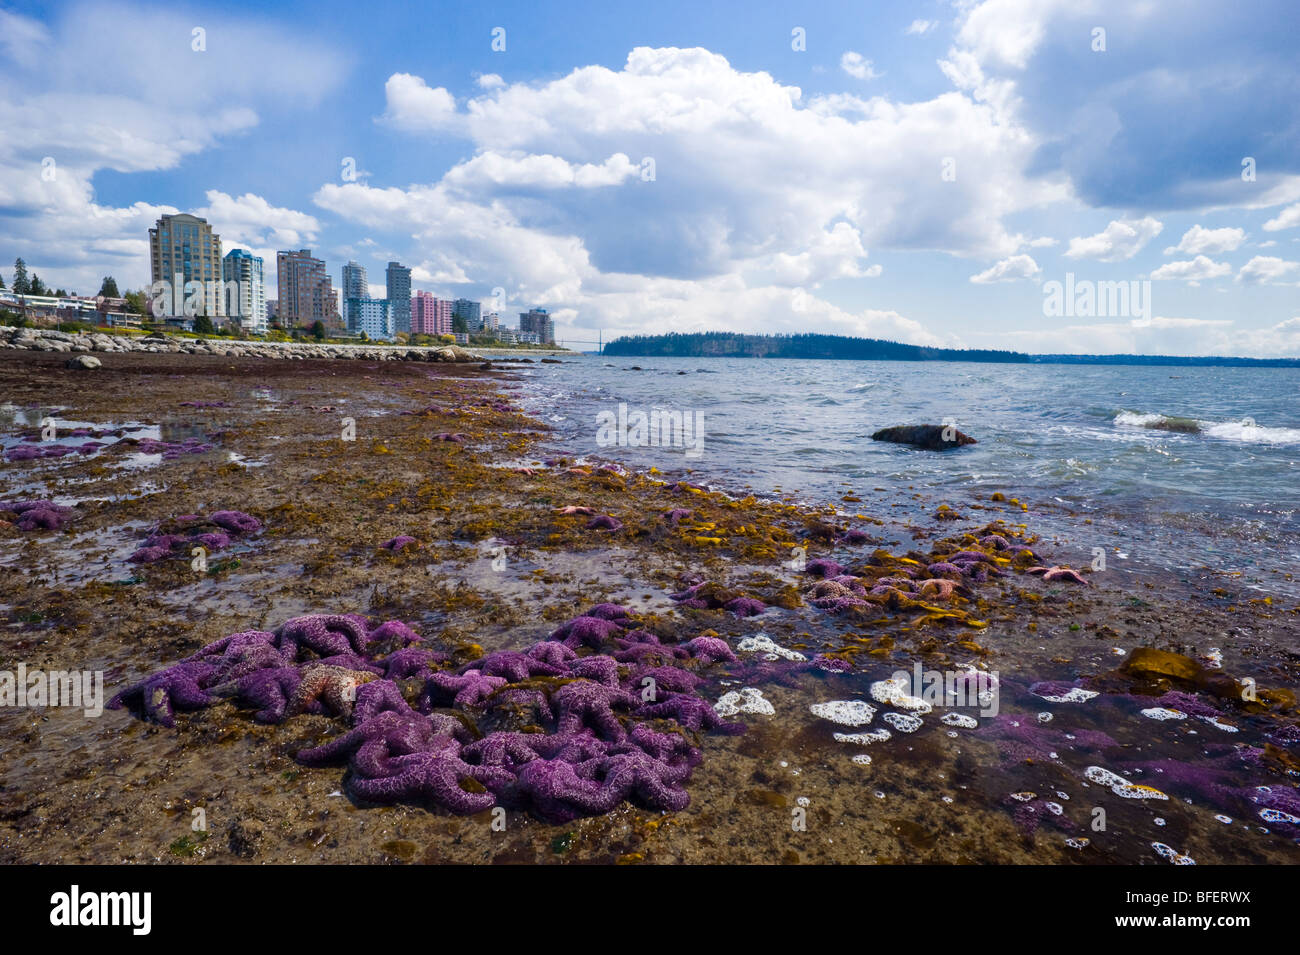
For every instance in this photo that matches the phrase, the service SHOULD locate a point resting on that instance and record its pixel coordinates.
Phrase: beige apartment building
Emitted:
(182, 249)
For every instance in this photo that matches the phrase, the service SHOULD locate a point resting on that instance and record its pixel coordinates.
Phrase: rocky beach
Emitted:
(366, 611)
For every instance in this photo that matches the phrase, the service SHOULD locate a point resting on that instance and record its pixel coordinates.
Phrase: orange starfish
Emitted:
(336, 687)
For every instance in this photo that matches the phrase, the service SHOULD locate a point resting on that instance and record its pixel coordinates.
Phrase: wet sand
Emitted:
(119, 789)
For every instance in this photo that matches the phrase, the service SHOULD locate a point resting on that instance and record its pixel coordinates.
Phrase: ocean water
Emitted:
(1078, 444)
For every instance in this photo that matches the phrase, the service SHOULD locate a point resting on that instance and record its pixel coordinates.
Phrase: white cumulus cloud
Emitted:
(1193, 270)
(1121, 239)
(1198, 239)
(1008, 270)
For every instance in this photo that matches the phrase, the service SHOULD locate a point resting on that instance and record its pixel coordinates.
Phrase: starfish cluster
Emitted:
(34, 515)
(170, 450)
(191, 530)
(598, 714)
(35, 452)
(704, 595)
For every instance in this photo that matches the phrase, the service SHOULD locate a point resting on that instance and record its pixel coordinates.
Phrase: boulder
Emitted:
(1147, 663)
(931, 437)
(83, 361)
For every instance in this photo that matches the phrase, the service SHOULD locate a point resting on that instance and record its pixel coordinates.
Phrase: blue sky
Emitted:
(916, 171)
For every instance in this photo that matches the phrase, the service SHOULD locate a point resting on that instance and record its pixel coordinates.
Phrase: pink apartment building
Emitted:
(430, 315)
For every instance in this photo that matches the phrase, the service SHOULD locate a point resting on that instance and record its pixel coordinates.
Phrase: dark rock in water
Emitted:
(552, 361)
(928, 436)
(1180, 425)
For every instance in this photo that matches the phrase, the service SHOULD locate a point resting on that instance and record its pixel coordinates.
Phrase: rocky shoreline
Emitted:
(52, 340)
(445, 518)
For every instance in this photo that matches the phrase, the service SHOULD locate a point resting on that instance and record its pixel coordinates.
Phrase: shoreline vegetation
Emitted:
(446, 570)
(848, 348)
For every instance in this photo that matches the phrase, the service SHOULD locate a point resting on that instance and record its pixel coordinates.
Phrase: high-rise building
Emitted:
(398, 289)
(491, 321)
(430, 315)
(354, 286)
(372, 316)
(244, 289)
(306, 294)
(183, 249)
(538, 320)
(470, 311)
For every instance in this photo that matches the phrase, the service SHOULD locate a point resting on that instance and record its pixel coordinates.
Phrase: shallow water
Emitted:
(1073, 442)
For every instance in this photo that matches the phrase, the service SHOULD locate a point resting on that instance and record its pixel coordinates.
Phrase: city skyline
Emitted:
(918, 173)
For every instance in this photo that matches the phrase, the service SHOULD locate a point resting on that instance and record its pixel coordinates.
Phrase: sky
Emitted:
(928, 172)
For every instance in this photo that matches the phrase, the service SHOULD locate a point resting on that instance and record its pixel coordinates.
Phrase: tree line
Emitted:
(806, 345)
(27, 282)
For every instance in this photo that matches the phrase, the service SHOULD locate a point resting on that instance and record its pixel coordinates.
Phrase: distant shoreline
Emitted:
(848, 348)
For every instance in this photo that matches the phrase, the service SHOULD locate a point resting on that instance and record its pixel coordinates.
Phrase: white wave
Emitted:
(1246, 430)
(1251, 433)
(1135, 419)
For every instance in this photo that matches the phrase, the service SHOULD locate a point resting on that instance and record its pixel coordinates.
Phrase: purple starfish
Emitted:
(515, 666)
(688, 598)
(269, 690)
(677, 514)
(670, 679)
(410, 662)
(178, 687)
(244, 660)
(587, 631)
(211, 541)
(236, 643)
(551, 652)
(1030, 813)
(1021, 737)
(711, 650)
(561, 791)
(236, 521)
(608, 612)
(470, 688)
(673, 748)
(397, 543)
(507, 749)
(838, 605)
(394, 631)
(746, 606)
(583, 703)
(370, 746)
(326, 634)
(691, 712)
(599, 669)
(824, 567)
(637, 646)
(376, 697)
(435, 775)
(149, 555)
(604, 522)
(32, 515)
